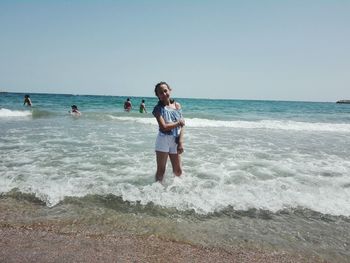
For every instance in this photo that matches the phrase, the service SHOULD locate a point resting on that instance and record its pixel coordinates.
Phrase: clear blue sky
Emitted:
(278, 50)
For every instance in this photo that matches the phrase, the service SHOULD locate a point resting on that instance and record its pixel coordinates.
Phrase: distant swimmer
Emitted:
(27, 101)
(143, 107)
(75, 111)
(127, 105)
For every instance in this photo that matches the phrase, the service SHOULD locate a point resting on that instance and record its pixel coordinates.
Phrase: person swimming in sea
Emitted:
(143, 107)
(75, 111)
(127, 105)
(27, 101)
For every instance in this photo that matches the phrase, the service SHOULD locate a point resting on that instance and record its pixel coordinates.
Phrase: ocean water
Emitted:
(273, 162)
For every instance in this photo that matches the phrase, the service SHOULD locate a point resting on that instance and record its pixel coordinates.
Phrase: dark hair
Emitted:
(74, 106)
(160, 84)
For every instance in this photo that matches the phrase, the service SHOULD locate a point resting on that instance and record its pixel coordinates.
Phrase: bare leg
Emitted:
(161, 165)
(176, 163)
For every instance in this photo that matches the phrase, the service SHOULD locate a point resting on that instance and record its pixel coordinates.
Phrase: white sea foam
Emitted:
(202, 196)
(260, 169)
(234, 176)
(5, 113)
(271, 124)
(262, 124)
(189, 193)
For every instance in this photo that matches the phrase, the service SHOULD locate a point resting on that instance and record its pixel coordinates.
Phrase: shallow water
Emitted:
(255, 168)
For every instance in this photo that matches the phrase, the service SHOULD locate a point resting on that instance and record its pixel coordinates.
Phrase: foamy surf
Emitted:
(262, 124)
(254, 163)
(206, 197)
(6, 113)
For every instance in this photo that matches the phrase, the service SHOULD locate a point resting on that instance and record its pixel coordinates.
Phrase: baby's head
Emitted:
(159, 86)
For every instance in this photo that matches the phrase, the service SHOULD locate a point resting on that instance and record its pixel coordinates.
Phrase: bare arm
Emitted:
(168, 126)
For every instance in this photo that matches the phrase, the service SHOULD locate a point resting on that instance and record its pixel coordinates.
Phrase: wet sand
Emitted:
(44, 239)
(27, 244)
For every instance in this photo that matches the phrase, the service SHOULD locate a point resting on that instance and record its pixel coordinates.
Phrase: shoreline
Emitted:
(30, 234)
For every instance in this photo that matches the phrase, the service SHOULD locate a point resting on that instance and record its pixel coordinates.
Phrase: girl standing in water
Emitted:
(169, 141)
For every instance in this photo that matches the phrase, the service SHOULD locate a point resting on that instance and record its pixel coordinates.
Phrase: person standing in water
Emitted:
(143, 107)
(127, 105)
(27, 101)
(169, 141)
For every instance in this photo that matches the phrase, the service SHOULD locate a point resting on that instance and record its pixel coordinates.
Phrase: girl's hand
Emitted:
(181, 122)
(180, 148)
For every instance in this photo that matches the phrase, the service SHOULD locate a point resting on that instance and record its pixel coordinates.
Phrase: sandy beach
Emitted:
(40, 238)
(28, 244)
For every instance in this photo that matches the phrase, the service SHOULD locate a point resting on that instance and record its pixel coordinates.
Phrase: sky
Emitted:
(264, 50)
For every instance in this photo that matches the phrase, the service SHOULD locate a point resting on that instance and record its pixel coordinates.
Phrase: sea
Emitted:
(272, 173)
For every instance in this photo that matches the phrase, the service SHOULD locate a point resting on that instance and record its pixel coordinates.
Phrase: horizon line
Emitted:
(196, 98)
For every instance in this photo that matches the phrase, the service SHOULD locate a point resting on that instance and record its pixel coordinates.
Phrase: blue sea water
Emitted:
(240, 156)
(261, 148)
